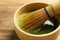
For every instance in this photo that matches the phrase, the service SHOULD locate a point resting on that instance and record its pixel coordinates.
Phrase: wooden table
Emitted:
(6, 21)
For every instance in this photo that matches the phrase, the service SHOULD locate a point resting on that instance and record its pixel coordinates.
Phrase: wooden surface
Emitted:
(6, 22)
(7, 10)
(25, 1)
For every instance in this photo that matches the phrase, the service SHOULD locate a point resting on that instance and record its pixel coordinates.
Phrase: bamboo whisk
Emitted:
(39, 16)
(35, 20)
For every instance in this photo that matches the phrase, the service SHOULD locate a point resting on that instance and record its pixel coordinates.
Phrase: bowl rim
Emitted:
(26, 33)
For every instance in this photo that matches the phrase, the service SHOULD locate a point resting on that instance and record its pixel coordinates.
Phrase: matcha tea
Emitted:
(47, 27)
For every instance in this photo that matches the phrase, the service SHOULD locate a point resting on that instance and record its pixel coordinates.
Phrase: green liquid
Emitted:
(45, 28)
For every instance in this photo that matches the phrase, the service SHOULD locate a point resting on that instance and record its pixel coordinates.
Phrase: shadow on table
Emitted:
(14, 36)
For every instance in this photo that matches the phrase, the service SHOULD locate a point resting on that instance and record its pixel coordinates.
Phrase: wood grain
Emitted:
(6, 22)
(24, 1)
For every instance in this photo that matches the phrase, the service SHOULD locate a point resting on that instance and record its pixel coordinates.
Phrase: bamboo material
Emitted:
(53, 11)
(56, 7)
(36, 20)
